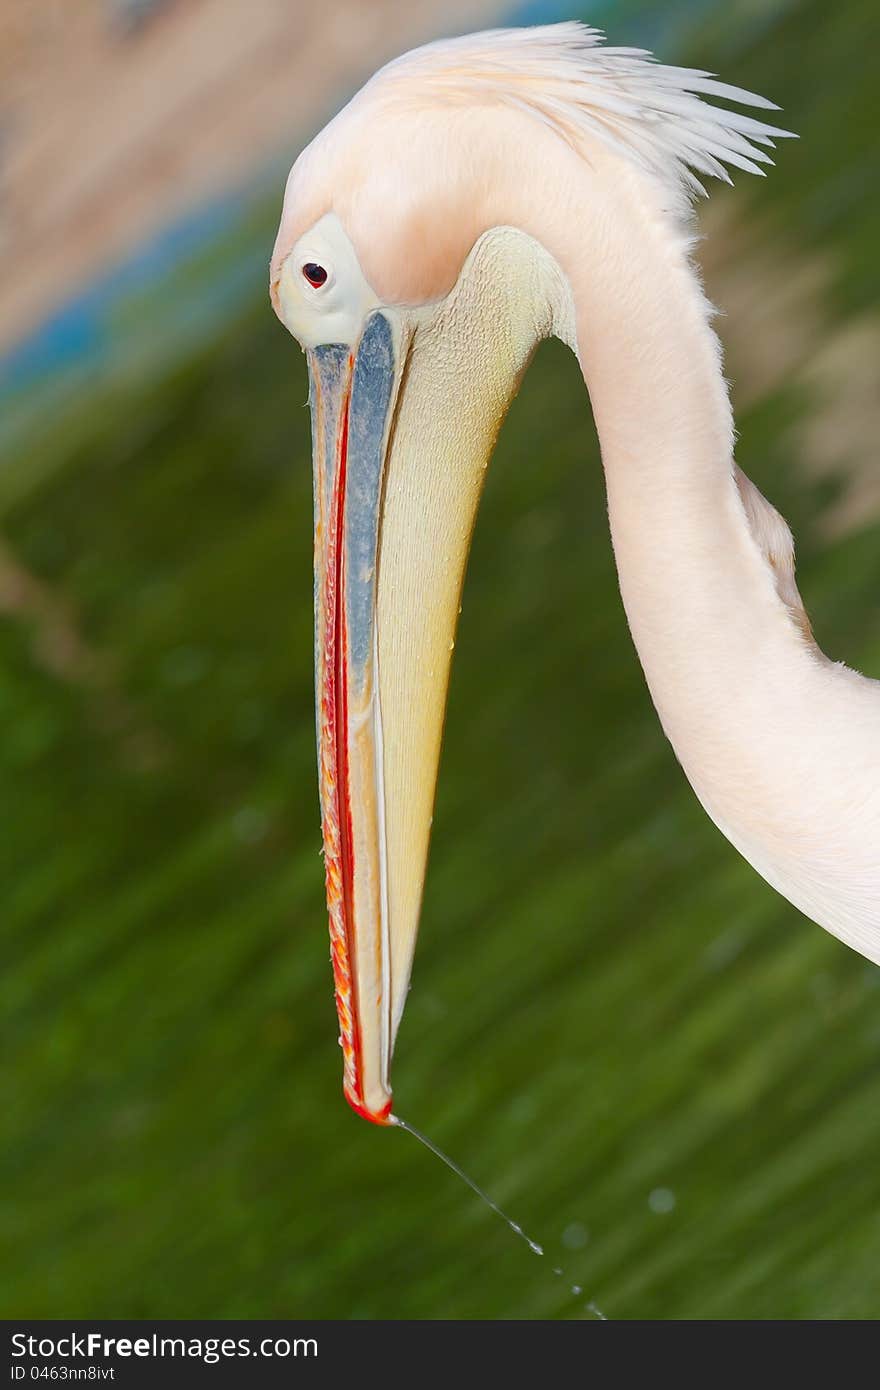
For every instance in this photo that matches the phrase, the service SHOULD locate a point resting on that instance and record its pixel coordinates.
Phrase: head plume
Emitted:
(565, 76)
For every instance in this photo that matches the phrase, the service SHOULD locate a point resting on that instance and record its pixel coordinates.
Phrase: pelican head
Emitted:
(430, 238)
(418, 314)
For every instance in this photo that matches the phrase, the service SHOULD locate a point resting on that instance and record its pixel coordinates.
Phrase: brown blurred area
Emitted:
(117, 114)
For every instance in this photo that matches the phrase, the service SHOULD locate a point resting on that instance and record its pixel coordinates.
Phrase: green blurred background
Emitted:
(667, 1075)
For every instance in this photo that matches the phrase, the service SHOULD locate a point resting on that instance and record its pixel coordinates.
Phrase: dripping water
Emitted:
(444, 1158)
(484, 1196)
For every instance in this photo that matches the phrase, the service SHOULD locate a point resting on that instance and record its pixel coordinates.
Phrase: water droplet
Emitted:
(575, 1236)
(662, 1201)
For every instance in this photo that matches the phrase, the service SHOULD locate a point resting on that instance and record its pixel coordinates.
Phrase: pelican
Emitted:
(476, 196)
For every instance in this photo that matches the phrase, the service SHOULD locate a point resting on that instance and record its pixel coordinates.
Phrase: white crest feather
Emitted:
(566, 76)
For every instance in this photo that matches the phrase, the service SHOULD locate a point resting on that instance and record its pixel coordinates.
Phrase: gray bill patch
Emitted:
(368, 419)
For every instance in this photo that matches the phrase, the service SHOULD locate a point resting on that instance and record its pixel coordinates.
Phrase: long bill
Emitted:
(403, 425)
(351, 399)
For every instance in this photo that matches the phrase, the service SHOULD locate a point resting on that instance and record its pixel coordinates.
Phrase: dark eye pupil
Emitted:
(315, 274)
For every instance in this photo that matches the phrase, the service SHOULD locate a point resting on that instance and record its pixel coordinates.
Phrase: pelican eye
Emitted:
(315, 274)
